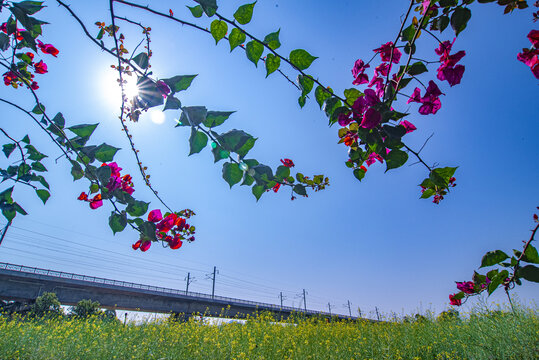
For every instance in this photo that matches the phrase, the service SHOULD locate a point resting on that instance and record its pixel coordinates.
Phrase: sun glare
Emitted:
(131, 88)
(157, 116)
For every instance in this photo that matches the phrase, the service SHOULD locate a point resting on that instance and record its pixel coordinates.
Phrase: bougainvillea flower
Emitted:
(136, 245)
(433, 90)
(276, 187)
(114, 183)
(40, 67)
(382, 69)
(155, 216)
(180, 222)
(163, 88)
(371, 98)
(145, 246)
(445, 48)
(176, 243)
(408, 126)
(379, 83)
(30, 55)
(416, 96)
(428, 7)
(47, 48)
(533, 36)
(372, 159)
(452, 75)
(371, 119)
(94, 204)
(454, 301)
(288, 163)
(452, 60)
(344, 119)
(167, 223)
(170, 12)
(115, 169)
(358, 72)
(3, 28)
(466, 287)
(385, 52)
(34, 85)
(83, 196)
(430, 106)
(363, 168)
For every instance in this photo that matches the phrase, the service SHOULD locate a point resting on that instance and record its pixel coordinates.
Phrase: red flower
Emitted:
(454, 301)
(40, 67)
(145, 246)
(176, 243)
(288, 163)
(136, 245)
(34, 85)
(276, 187)
(155, 215)
(96, 202)
(171, 13)
(83, 196)
(47, 48)
(180, 222)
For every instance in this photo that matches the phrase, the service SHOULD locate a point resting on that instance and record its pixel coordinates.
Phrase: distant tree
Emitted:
(86, 308)
(450, 314)
(46, 306)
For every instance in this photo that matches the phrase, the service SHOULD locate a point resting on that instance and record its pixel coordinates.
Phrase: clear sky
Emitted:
(374, 243)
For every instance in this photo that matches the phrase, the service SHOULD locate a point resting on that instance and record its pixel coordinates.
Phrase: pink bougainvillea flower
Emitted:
(128, 189)
(372, 159)
(167, 223)
(136, 245)
(452, 75)
(40, 67)
(371, 119)
(428, 7)
(155, 216)
(408, 126)
(3, 28)
(180, 222)
(34, 85)
(454, 301)
(416, 96)
(430, 102)
(379, 83)
(96, 202)
(276, 187)
(466, 287)
(449, 70)
(382, 69)
(163, 88)
(344, 119)
(47, 48)
(176, 243)
(445, 48)
(10, 77)
(433, 90)
(145, 246)
(385, 52)
(358, 71)
(288, 163)
(115, 169)
(114, 183)
(371, 98)
(533, 36)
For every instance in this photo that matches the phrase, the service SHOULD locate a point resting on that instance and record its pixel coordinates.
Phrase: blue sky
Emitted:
(373, 243)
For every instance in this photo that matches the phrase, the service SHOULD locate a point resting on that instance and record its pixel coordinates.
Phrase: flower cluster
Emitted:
(530, 56)
(430, 102)
(172, 229)
(449, 70)
(439, 192)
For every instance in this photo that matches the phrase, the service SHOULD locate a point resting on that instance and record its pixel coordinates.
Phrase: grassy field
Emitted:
(480, 336)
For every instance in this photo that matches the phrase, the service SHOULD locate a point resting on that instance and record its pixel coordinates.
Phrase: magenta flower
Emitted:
(427, 6)
(344, 119)
(385, 52)
(408, 126)
(430, 102)
(163, 88)
(358, 72)
(372, 159)
(40, 67)
(155, 216)
(114, 183)
(533, 36)
(466, 287)
(449, 70)
(371, 119)
(145, 246)
(445, 48)
(453, 75)
(416, 96)
(115, 169)
(382, 69)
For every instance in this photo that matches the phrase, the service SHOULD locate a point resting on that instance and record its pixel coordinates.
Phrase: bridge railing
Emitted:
(126, 284)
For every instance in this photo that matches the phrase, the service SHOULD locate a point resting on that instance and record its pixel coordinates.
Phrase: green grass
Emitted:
(498, 335)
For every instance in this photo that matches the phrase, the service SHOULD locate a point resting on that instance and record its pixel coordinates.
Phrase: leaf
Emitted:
(141, 60)
(9, 212)
(38, 109)
(43, 195)
(359, 173)
(272, 63)
(172, 103)
(300, 189)
(529, 272)
(179, 82)
(396, 158)
(137, 208)
(254, 51)
(8, 149)
(459, 19)
(272, 40)
(351, 95)
(530, 255)
(59, 120)
(441, 176)
(22, 170)
(257, 191)
(219, 153)
(83, 130)
(19, 209)
(427, 193)
(209, 6)
(301, 100)
(236, 38)
(282, 172)
(37, 166)
(301, 59)
(148, 230)
(103, 174)
(148, 92)
(497, 280)
(4, 42)
(493, 258)
(407, 34)
(193, 115)
(306, 84)
(330, 105)
(195, 10)
(29, 7)
(218, 30)
(321, 94)
(244, 149)
(244, 13)
(232, 173)
(417, 68)
(5, 196)
(197, 141)
(105, 152)
(234, 140)
(76, 170)
(216, 118)
(117, 222)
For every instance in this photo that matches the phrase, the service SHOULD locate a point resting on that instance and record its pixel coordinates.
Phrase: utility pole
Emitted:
(305, 300)
(350, 308)
(189, 280)
(329, 307)
(282, 298)
(377, 313)
(213, 278)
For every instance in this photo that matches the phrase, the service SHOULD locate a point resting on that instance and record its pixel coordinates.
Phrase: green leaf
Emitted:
(262, 174)
(351, 95)
(321, 94)
(272, 40)
(9, 212)
(396, 158)
(117, 222)
(197, 141)
(103, 174)
(282, 172)
(83, 130)
(216, 118)
(4, 42)
(8, 149)
(301, 100)
(19, 209)
(141, 60)
(172, 103)
(22, 170)
(179, 82)
(497, 280)
(26, 139)
(42, 181)
(43, 195)
(301, 59)
(417, 68)
(248, 145)
(5, 196)
(76, 170)
(218, 30)
(244, 13)
(531, 255)
(254, 51)
(193, 115)
(441, 176)
(195, 10)
(37, 109)
(236, 38)
(29, 7)
(148, 230)
(330, 105)
(300, 189)
(306, 84)
(529, 272)
(232, 173)
(493, 258)
(59, 120)
(137, 208)
(37, 166)
(459, 19)
(234, 140)
(257, 191)
(359, 173)
(209, 6)
(407, 34)
(219, 153)
(100, 34)
(427, 193)
(272, 63)
(105, 153)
